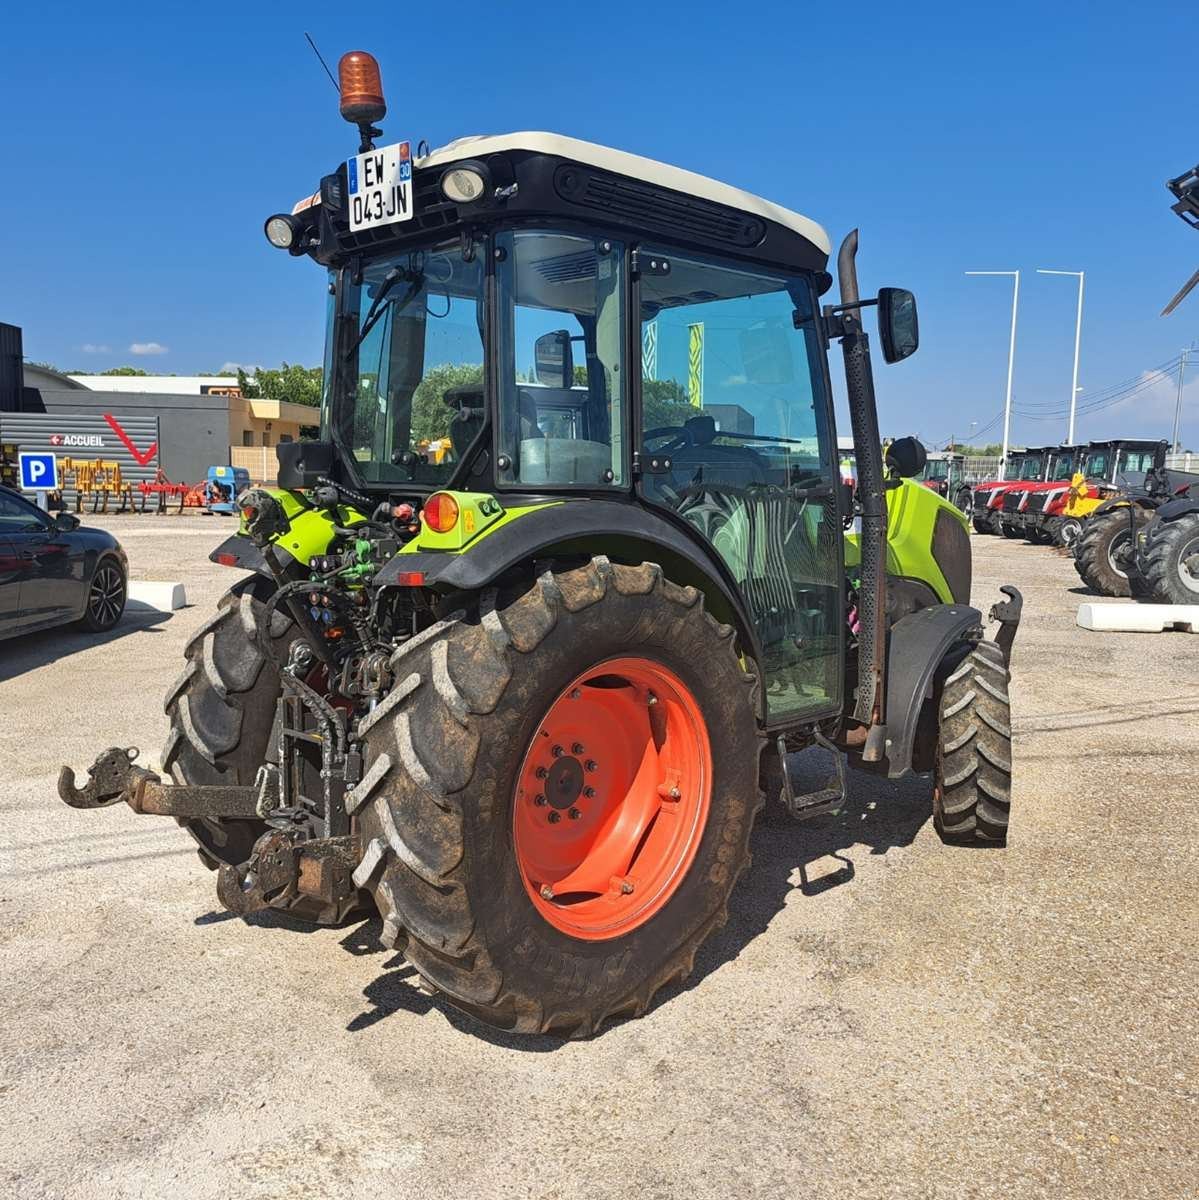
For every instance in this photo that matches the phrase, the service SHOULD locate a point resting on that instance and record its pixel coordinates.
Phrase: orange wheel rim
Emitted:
(612, 798)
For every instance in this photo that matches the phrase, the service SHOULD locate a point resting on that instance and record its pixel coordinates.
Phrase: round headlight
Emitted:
(462, 185)
(281, 231)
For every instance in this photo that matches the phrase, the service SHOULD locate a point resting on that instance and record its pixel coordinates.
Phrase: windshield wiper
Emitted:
(416, 278)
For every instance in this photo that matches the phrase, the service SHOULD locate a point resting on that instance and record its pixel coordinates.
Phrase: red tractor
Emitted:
(1022, 503)
(1022, 466)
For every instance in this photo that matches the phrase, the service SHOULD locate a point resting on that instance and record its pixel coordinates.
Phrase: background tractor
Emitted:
(945, 474)
(1109, 469)
(990, 512)
(523, 696)
(1058, 465)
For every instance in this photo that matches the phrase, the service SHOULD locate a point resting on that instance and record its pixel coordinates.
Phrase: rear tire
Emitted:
(1095, 553)
(982, 525)
(972, 778)
(1172, 561)
(222, 713)
(441, 821)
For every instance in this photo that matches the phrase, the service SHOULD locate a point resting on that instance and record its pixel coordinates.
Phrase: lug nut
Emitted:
(589, 792)
(574, 814)
(591, 765)
(547, 892)
(539, 800)
(555, 817)
(541, 772)
(577, 748)
(675, 793)
(557, 751)
(626, 888)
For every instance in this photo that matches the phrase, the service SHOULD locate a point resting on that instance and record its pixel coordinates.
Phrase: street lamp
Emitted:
(1074, 388)
(1011, 362)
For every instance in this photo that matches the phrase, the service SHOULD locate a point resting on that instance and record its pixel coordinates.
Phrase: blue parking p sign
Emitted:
(39, 472)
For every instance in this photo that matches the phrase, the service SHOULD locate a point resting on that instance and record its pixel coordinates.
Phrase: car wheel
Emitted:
(105, 597)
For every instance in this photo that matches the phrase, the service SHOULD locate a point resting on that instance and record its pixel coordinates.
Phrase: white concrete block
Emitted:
(1139, 618)
(153, 593)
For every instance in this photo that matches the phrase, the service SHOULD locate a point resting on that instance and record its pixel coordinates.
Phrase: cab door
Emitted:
(734, 397)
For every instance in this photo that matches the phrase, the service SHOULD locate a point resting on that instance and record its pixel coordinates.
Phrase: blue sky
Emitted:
(144, 145)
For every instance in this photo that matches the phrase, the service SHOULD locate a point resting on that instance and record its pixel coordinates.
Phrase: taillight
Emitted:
(440, 513)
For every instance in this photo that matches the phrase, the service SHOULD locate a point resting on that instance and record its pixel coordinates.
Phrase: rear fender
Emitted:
(1174, 510)
(240, 552)
(916, 649)
(626, 532)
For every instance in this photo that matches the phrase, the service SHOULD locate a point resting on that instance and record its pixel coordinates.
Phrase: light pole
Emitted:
(1074, 388)
(1182, 365)
(1011, 362)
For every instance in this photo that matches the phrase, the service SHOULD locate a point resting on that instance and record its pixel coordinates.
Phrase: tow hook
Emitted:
(282, 866)
(1007, 613)
(114, 777)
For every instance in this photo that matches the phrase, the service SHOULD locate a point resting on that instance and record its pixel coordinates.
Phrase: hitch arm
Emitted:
(114, 777)
(1007, 613)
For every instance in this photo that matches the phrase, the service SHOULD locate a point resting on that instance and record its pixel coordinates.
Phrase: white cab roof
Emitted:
(635, 167)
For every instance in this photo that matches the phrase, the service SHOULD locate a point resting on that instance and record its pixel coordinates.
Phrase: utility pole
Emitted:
(1011, 362)
(1074, 388)
(1182, 365)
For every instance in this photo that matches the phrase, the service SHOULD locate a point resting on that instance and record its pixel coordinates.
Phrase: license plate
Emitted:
(380, 184)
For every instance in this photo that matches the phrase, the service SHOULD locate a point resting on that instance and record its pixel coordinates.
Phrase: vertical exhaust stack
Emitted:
(870, 708)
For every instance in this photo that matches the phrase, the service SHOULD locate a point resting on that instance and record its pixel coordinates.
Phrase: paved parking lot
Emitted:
(882, 1017)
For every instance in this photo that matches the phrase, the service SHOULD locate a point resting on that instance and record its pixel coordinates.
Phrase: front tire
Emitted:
(1104, 555)
(458, 843)
(972, 779)
(222, 715)
(1172, 561)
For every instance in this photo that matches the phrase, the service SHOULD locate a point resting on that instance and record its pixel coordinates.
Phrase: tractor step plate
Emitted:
(1139, 618)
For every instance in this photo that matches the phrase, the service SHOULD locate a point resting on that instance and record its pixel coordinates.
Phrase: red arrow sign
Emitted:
(141, 458)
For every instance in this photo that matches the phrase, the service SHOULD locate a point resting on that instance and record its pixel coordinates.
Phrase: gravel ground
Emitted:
(883, 1016)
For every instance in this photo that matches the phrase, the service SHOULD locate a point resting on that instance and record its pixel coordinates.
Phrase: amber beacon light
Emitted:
(362, 100)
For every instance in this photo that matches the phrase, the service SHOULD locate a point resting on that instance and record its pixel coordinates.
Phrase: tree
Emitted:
(430, 414)
(291, 383)
(664, 404)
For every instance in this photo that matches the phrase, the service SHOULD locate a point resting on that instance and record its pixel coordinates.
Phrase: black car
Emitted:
(53, 572)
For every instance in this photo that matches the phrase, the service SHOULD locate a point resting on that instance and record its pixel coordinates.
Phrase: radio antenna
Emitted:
(324, 64)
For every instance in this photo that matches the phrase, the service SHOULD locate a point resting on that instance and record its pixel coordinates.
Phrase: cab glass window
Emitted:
(736, 440)
(561, 349)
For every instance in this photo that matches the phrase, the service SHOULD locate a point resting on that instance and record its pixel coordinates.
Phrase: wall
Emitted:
(194, 430)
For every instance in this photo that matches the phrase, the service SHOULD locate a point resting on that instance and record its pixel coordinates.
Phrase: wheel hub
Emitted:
(564, 783)
(612, 798)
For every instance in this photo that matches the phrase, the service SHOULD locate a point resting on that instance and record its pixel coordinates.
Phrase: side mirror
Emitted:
(906, 457)
(553, 360)
(897, 324)
(302, 464)
(65, 522)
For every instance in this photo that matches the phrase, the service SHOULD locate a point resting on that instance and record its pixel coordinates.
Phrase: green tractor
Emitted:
(521, 642)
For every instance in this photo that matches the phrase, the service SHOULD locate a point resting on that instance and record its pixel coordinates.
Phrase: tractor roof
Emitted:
(619, 162)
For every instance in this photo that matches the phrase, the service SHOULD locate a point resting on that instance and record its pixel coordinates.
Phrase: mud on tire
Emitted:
(435, 808)
(972, 781)
(222, 712)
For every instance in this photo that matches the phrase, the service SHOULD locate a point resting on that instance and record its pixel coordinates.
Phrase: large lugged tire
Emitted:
(222, 711)
(1172, 561)
(450, 816)
(1095, 554)
(972, 780)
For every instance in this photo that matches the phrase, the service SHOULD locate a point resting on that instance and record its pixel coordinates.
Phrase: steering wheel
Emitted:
(682, 437)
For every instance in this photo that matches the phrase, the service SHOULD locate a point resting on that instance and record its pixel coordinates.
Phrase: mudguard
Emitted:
(1183, 506)
(240, 552)
(915, 649)
(595, 527)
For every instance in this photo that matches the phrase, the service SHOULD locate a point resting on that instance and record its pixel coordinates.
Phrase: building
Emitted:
(192, 422)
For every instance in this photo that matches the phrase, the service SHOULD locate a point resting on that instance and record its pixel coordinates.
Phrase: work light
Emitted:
(465, 183)
(282, 230)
